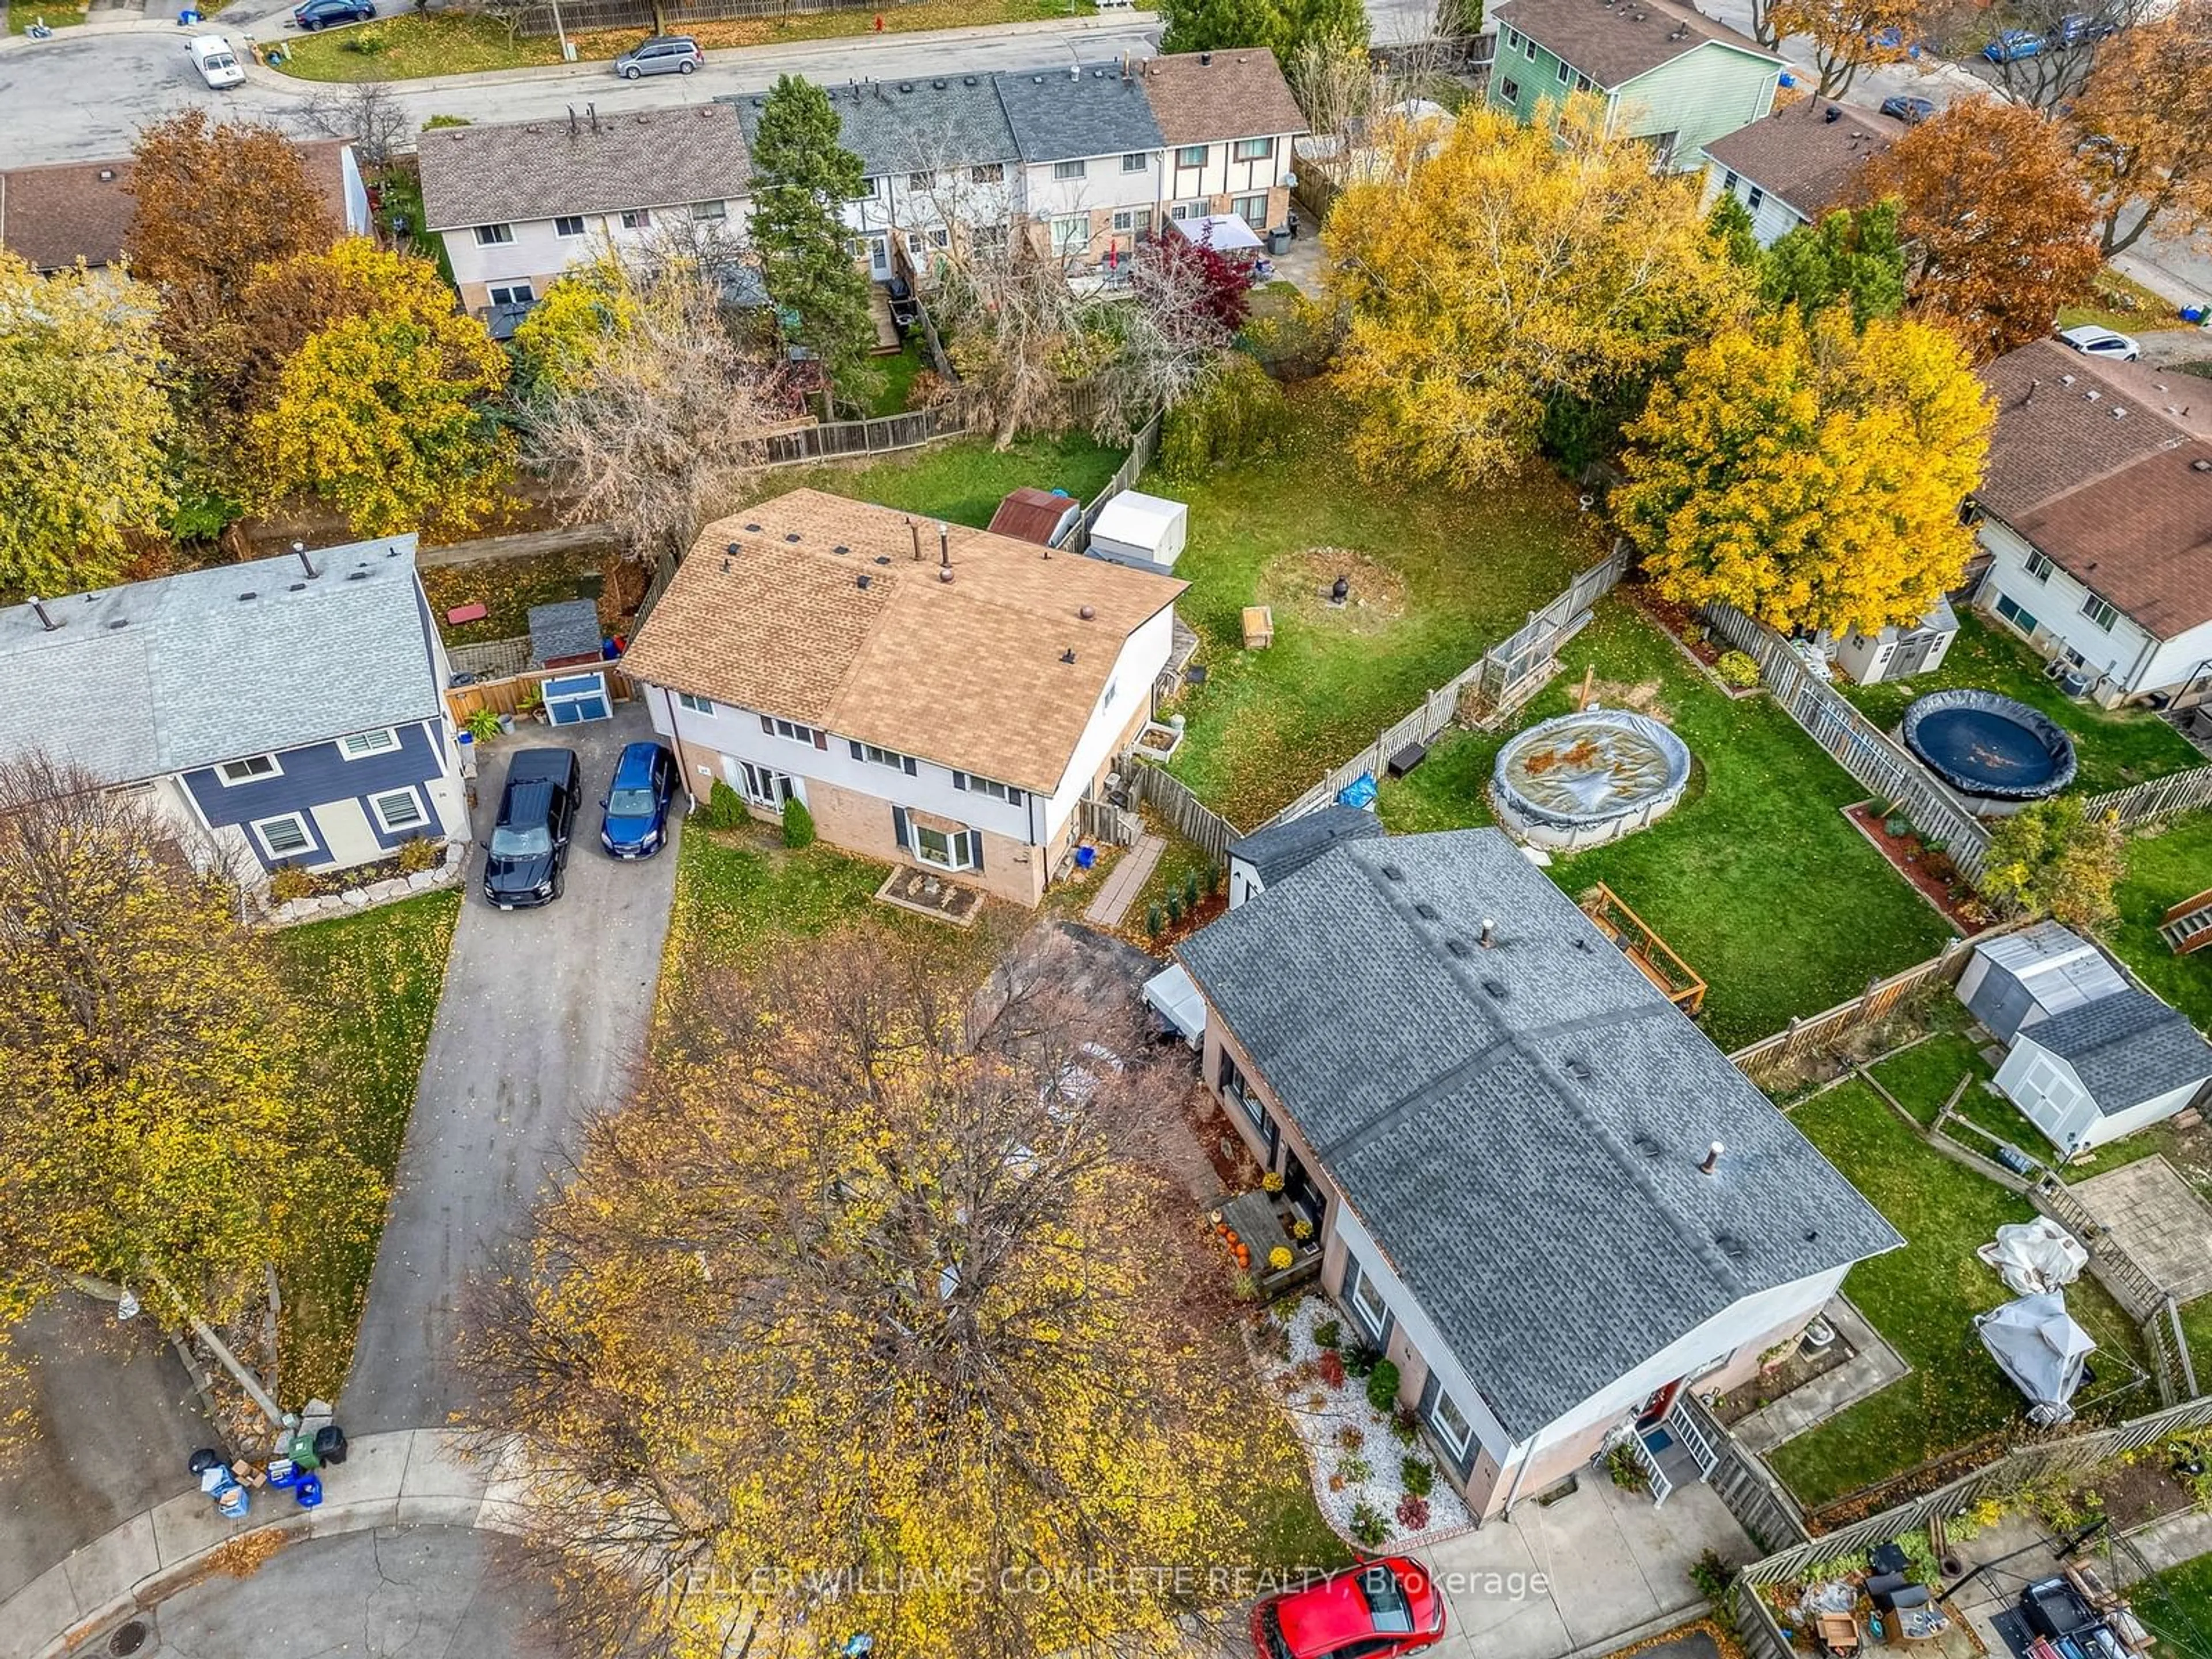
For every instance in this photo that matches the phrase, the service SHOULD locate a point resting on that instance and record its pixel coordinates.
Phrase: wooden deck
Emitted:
(888, 343)
(1642, 945)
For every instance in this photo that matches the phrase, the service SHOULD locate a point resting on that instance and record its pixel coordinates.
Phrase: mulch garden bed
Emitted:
(1931, 872)
(1792, 1373)
(1217, 1139)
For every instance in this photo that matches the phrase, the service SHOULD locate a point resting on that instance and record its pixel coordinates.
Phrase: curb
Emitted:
(422, 1477)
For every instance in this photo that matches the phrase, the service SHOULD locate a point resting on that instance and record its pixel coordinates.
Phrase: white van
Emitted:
(213, 57)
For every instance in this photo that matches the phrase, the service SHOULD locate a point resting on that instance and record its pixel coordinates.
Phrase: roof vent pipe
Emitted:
(1833, 115)
(1205, 60)
(944, 546)
(300, 552)
(914, 530)
(1489, 934)
(46, 620)
(1712, 1158)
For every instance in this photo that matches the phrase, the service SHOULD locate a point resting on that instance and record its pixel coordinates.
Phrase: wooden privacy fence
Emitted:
(1503, 679)
(1741, 1482)
(1101, 821)
(505, 696)
(2156, 798)
(1817, 1032)
(1853, 742)
(1171, 798)
(1142, 447)
(827, 440)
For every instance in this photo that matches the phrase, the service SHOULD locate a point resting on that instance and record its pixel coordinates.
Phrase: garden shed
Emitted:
(1281, 850)
(2020, 979)
(1899, 654)
(2106, 1069)
(1146, 531)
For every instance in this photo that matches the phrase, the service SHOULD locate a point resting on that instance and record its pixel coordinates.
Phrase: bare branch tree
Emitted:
(366, 113)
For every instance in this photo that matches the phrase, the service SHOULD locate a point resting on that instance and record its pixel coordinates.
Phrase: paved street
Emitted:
(543, 1010)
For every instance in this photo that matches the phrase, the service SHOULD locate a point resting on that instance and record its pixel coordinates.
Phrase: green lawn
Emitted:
(1757, 879)
(895, 378)
(370, 983)
(2114, 747)
(2176, 1606)
(963, 480)
(1437, 576)
(1922, 1075)
(1922, 1299)
(22, 14)
(2163, 871)
(415, 44)
(2123, 303)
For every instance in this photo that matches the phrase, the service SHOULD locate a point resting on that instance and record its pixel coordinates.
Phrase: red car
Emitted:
(1377, 1610)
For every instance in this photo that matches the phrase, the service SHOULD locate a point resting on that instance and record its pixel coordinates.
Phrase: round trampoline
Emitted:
(1997, 754)
(1584, 780)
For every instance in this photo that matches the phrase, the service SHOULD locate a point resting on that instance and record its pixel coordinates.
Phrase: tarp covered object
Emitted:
(2039, 1347)
(1177, 1000)
(1224, 232)
(2033, 1256)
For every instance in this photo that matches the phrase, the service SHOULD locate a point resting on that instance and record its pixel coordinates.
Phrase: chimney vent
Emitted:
(1833, 116)
(45, 619)
(944, 545)
(1068, 655)
(2200, 464)
(300, 552)
(1089, 612)
(863, 579)
(1712, 1158)
(1205, 60)
(592, 110)
(944, 574)
(914, 531)
(1489, 934)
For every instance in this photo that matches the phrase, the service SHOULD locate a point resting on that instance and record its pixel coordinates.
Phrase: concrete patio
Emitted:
(1599, 1569)
(2156, 1216)
(1873, 1365)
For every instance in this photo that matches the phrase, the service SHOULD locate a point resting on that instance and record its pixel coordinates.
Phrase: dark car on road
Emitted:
(1377, 1610)
(314, 14)
(530, 839)
(633, 817)
(1908, 109)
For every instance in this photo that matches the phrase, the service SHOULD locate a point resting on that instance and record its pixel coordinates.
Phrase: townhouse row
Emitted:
(1090, 159)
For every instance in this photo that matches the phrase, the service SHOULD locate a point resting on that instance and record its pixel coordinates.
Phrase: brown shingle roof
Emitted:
(968, 673)
(524, 170)
(2115, 499)
(1613, 41)
(1204, 97)
(1801, 155)
(52, 216)
(1029, 514)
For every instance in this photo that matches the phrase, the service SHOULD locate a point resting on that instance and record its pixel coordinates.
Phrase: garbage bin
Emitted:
(1278, 240)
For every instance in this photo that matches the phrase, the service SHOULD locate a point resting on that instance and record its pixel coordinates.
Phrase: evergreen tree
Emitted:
(1853, 255)
(803, 178)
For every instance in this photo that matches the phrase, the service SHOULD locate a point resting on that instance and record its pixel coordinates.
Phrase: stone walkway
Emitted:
(1873, 1365)
(1113, 901)
(2156, 1216)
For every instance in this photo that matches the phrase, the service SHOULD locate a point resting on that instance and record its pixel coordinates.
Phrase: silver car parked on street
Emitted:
(660, 54)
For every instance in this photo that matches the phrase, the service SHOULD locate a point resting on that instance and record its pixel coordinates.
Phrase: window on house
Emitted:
(953, 849)
(1509, 90)
(987, 236)
(1510, 40)
(569, 224)
(2103, 616)
(1255, 149)
(995, 790)
(1191, 155)
(1106, 698)
(913, 242)
(867, 191)
(1135, 221)
(991, 173)
(511, 294)
(1071, 235)
(283, 836)
(637, 219)
(363, 744)
(2015, 614)
(763, 786)
(696, 705)
(940, 237)
(1366, 1299)
(1451, 1425)
(793, 730)
(891, 757)
(1135, 161)
(1729, 182)
(1566, 74)
(1067, 169)
(1756, 196)
(708, 211)
(1528, 49)
(1252, 210)
(2040, 567)
(248, 770)
(493, 236)
(920, 180)
(398, 809)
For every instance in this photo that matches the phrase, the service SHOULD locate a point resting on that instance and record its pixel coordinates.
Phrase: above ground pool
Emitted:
(1582, 780)
(1998, 754)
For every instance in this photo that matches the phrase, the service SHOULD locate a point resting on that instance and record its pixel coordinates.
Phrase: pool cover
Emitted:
(1587, 768)
(1994, 747)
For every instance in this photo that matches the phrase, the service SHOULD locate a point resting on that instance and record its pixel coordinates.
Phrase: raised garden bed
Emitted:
(933, 896)
(1931, 872)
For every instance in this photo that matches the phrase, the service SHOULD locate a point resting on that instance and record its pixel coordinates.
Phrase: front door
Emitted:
(1661, 1402)
(761, 786)
(1298, 1186)
(879, 258)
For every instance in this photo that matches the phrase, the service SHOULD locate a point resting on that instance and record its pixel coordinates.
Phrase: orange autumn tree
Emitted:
(1809, 476)
(2146, 117)
(2001, 228)
(1848, 35)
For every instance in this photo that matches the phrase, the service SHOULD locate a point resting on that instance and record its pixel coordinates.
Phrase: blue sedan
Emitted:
(634, 817)
(2013, 46)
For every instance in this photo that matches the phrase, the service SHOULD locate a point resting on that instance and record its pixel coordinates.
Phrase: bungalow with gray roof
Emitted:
(1540, 1191)
(285, 711)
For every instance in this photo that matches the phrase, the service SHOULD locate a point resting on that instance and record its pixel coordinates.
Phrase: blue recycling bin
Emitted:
(1085, 857)
(308, 1491)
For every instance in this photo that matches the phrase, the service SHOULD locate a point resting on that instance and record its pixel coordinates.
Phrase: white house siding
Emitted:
(1126, 701)
(355, 192)
(2133, 660)
(1772, 218)
(1211, 187)
(539, 255)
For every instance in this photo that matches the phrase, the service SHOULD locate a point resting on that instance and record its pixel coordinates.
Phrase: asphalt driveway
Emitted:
(542, 1013)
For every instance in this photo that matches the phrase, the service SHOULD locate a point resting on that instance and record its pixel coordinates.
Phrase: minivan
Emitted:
(217, 63)
(660, 54)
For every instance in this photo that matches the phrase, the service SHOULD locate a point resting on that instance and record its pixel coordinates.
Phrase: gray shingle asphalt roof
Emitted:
(911, 126)
(2126, 1049)
(1282, 850)
(1057, 117)
(160, 676)
(1518, 1128)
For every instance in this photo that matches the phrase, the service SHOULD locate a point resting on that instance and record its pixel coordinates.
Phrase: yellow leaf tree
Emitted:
(865, 1310)
(1809, 477)
(157, 1134)
(386, 411)
(84, 405)
(1514, 268)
